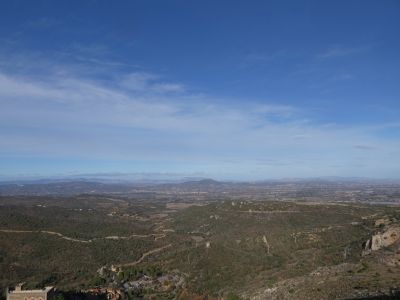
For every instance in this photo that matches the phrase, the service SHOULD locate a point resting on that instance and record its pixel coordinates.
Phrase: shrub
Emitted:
(232, 296)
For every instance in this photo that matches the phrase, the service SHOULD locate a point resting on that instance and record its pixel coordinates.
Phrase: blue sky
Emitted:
(227, 89)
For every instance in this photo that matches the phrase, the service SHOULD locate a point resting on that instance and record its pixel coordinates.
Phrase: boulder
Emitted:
(381, 240)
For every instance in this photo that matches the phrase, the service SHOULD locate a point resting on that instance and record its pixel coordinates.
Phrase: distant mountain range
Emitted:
(75, 186)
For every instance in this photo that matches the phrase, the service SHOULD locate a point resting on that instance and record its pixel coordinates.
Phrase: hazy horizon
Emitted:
(172, 177)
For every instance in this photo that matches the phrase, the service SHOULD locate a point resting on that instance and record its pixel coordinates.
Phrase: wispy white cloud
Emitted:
(168, 87)
(365, 147)
(262, 58)
(144, 117)
(341, 51)
(137, 81)
(147, 82)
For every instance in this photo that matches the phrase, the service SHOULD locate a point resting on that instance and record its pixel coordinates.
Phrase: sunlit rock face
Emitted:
(382, 240)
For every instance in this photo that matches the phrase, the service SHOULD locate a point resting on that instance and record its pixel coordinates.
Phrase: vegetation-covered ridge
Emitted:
(167, 247)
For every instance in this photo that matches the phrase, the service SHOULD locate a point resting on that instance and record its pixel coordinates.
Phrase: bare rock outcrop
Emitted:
(382, 239)
(385, 221)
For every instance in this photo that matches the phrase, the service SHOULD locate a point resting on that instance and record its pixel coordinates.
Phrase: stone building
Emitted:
(48, 293)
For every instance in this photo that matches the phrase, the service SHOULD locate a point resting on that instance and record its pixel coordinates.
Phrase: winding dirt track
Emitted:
(156, 236)
(144, 255)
